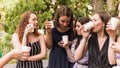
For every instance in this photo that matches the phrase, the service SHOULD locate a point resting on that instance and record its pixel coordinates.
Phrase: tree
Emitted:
(12, 17)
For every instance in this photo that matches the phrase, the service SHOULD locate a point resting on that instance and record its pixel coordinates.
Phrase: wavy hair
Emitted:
(105, 17)
(24, 20)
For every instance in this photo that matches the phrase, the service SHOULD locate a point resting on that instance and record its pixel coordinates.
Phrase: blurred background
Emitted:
(11, 10)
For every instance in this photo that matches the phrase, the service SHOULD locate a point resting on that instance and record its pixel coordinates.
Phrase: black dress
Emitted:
(35, 49)
(58, 55)
(97, 58)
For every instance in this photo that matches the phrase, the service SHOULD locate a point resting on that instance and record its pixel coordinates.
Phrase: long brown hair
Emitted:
(23, 23)
(64, 11)
(81, 20)
(105, 17)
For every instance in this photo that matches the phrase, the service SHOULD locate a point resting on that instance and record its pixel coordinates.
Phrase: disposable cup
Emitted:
(31, 25)
(52, 24)
(26, 48)
(88, 26)
(65, 39)
(114, 23)
(116, 67)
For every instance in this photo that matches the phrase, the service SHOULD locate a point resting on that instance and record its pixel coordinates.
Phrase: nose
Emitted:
(36, 21)
(65, 24)
(76, 28)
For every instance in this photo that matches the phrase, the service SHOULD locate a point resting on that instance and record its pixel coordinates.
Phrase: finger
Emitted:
(22, 59)
(26, 54)
(113, 47)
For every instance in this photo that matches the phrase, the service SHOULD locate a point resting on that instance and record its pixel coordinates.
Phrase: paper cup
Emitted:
(114, 23)
(26, 48)
(116, 67)
(31, 25)
(88, 26)
(52, 24)
(65, 39)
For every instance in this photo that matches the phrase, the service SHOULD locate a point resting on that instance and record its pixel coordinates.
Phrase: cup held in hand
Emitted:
(114, 22)
(65, 39)
(52, 24)
(88, 26)
(26, 48)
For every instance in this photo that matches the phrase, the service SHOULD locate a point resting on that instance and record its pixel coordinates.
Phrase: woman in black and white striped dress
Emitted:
(27, 34)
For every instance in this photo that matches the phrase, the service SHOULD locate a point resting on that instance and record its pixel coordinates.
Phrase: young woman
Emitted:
(79, 62)
(27, 34)
(100, 53)
(63, 26)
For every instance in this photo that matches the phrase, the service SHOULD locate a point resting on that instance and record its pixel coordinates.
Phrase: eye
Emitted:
(77, 26)
(62, 21)
(35, 19)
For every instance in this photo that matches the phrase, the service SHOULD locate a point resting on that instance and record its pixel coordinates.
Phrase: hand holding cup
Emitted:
(65, 39)
(26, 52)
(114, 23)
(29, 28)
(88, 26)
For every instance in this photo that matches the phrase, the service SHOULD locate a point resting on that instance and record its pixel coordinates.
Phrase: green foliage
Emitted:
(12, 17)
(45, 9)
(79, 8)
(5, 44)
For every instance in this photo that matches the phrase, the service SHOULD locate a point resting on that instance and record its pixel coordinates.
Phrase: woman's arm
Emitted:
(111, 52)
(69, 51)
(6, 58)
(15, 41)
(81, 50)
(116, 46)
(43, 52)
(15, 53)
(48, 34)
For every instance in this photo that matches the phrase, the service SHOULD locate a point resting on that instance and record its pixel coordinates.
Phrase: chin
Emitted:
(79, 33)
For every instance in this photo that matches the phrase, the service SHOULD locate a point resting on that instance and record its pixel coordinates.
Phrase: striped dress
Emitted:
(35, 49)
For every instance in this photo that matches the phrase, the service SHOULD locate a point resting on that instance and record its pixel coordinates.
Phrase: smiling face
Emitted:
(64, 22)
(33, 20)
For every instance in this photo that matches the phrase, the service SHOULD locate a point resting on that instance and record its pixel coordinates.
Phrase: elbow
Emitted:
(43, 55)
(49, 46)
(113, 62)
(78, 58)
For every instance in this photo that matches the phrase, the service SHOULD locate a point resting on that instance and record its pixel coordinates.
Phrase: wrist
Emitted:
(12, 53)
(112, 38)
(67, 48)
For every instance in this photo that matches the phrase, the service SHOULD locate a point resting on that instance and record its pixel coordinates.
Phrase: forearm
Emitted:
(24, 40)
(80, 50)
(49, 39)
(111, 52)
(70, 55)
(36, 57)
(6, 58)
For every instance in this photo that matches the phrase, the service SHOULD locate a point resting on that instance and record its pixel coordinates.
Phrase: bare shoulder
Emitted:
(41, 36)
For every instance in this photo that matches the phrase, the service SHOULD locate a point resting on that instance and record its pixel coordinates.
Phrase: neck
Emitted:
(62, 29)
(101, 34)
